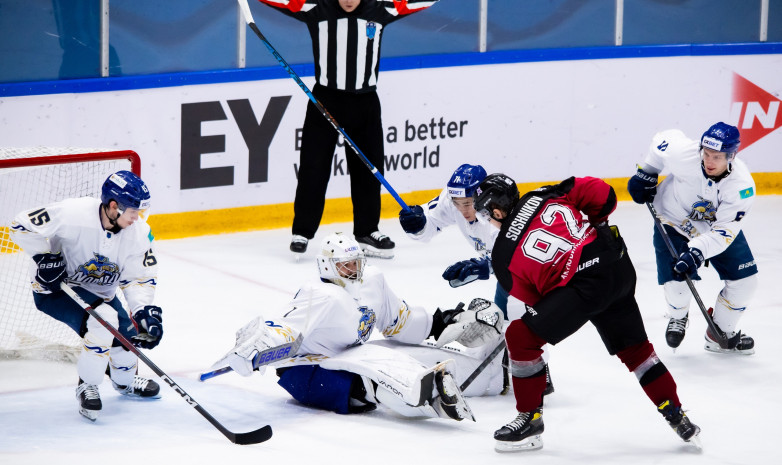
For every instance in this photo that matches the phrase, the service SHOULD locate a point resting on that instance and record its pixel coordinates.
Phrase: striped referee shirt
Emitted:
(346, 46)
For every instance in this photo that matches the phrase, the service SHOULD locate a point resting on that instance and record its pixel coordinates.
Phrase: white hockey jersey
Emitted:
(441, 213)
(96, 259)
(331, 319)
(706, 211)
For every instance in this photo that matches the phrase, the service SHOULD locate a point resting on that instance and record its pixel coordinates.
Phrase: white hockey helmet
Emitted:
(341, 260)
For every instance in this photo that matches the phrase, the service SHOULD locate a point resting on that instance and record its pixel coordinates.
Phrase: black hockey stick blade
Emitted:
(252, 437)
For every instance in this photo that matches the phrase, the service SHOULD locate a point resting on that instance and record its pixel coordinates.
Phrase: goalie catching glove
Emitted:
(479, 324)
(259, 343)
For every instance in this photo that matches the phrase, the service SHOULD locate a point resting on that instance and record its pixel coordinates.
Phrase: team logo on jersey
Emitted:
(703, 210)
(371, 30)
(754, 111)
(365, 324)
(663, 146)
(97, 270)
(480, 246)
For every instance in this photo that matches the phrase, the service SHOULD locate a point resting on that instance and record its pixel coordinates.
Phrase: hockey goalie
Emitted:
(321, 351)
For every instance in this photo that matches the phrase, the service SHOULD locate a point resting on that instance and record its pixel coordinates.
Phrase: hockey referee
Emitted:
(346, 37)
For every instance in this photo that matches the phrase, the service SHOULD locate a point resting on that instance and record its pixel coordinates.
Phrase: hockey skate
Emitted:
(298, 244)
(377, 245)
(521, 434)
(450, 402)
(89, 400)
(140, 388)
(680, 423)
(674, 333)
(738, 343)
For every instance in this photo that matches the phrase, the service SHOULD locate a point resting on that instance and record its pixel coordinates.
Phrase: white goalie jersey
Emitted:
(96, 259)
(708, 212)
(441, 213)
(331, 319)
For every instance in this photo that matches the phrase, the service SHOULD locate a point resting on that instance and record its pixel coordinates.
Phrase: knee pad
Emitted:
(523, 344)
(636, 355)
(96, 343)
(123, 365)
(678, 296)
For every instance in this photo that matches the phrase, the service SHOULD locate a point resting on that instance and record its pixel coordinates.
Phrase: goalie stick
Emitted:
(252, 437)
(709, 320)
(266, 357)
(483, 365)
(248, 17)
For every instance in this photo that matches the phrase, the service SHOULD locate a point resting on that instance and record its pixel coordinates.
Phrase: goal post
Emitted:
(31, 177)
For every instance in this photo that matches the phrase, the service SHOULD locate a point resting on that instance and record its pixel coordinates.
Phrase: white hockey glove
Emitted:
(480, 324)
(257, 338)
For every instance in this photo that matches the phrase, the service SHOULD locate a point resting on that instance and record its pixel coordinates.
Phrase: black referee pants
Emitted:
(359, 116)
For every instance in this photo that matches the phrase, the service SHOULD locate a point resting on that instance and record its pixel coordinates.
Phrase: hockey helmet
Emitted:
(497, 191)
(465, 179)
(128, 190)
(722, 138)
(341, 259)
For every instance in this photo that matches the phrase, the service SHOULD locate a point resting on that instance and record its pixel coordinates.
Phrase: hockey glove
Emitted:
(441, 319)
(688, 264)
(642, 187)
(51, 270)
(461, 273)
(413, 220)
(480, 324)
(149, 323)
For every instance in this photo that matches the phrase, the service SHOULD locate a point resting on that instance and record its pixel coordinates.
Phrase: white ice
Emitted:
(210, 286)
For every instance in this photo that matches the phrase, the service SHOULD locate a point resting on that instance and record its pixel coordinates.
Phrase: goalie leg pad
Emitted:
(335, 390)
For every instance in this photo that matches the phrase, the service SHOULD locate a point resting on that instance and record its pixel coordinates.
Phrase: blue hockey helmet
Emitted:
(465, 180)
(722, 138)
(127, 189)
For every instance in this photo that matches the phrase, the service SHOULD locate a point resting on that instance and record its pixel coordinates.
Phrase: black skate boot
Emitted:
(674, 333)
(450, 401)
(89, 400)
(140, 387)
(523, 433)
(299, 244)
(737, 343)
(377, 245)
(680, 423)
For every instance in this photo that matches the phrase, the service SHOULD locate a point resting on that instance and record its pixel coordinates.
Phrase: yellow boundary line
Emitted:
(230, 220)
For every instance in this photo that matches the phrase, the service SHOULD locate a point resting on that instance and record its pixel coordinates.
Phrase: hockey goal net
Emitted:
(31, 177)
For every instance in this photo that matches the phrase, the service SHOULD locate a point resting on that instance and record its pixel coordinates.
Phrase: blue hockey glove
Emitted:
(413, 220)
(688, 264)
(51, 270)
(149, 322)
(642, 186)
(466, 271)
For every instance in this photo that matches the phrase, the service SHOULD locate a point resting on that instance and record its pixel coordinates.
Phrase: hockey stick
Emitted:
(248, 17)
(252, 437)
(483, 365)
(709, 320)
(266, 357)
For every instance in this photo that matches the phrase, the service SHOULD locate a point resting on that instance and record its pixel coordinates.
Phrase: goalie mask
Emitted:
(341, 260)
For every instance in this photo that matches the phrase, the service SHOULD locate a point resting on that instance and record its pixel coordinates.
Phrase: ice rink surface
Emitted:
(211, 286)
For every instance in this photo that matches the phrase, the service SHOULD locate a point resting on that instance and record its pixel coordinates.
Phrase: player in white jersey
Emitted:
(701, 203)
(337, 368)
(97, 246)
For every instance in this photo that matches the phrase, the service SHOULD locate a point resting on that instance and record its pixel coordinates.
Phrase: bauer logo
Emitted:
(754, 111)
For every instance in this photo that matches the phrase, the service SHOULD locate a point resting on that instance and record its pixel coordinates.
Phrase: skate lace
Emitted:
(299, 239)
(139, 383)
(378, 236)
(678, 325)
(518, 422)
(90, 391)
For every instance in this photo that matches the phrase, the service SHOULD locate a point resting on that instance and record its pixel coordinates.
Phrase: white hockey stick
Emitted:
(251, 437)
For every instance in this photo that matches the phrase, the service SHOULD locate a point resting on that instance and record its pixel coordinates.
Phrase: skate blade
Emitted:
(91, 415)
(714, 347)
(696, 441)
(531, 443)
(370, 251)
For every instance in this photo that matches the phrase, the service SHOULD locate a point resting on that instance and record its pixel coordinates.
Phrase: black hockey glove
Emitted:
(149, 323)
(51, 270)
(688, 264)
(413, 220)
(642, 187)
(441, 320)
